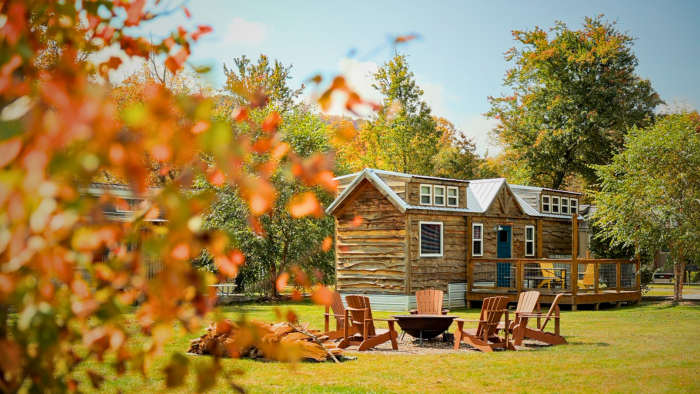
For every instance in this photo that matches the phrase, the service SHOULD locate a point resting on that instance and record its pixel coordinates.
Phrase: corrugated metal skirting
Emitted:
(454, 298)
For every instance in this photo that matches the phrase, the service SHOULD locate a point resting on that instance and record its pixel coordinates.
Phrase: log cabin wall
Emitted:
(438, 272)
(556, 237)
(370, 245)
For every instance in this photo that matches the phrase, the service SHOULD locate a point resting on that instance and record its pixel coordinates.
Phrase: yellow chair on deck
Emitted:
(588, 277)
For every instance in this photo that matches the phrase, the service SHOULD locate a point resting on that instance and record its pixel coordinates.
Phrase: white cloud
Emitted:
(478, 127)
(436, 98)
(240, 31)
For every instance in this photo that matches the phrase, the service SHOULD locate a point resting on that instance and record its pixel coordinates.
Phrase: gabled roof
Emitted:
(481, 194)
(383, 188)
(371, 176)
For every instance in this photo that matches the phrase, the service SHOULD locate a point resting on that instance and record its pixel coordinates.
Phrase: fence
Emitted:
(592, 276)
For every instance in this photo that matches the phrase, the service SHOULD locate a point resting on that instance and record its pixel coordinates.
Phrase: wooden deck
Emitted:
(596, 281)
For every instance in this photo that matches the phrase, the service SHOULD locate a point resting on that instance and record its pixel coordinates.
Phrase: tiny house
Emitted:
(399, 233)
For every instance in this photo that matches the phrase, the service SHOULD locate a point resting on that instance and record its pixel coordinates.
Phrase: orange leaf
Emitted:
(282, 281)
(322, 296)
(226, 266)
(291, 316)
(133, 11)
(305, 204)
(200, 127)
(174, 63)
(217, 178)
(181, 252)
(239, 114)
(327, 243)
(187, 12)
(271, 122)
(9, 150)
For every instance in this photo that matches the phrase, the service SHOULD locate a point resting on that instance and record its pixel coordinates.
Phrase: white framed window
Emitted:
(426, 195)
(529, 240)
(439, 195)
(574, 205)
(477, 239)
(555, 204)
(430, 240)
(452, 196)
(565, 205)
(546, 204)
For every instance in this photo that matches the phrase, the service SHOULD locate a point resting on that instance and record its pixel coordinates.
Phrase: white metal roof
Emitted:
(480, 194)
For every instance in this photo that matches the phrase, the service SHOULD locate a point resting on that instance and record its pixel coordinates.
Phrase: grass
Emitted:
(649, 348)
(666, 289)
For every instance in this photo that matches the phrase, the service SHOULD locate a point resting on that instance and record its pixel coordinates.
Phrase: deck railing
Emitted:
(582, 276)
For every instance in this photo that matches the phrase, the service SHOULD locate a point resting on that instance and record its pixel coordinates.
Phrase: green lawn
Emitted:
(647, 348)
(666, 289)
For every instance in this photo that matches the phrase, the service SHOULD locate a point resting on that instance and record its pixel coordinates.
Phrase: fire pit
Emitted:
(424, 326)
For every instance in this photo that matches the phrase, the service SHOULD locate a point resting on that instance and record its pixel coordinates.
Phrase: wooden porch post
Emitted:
(539, 238)
(574, 256)
(618, 267)
(470, 266)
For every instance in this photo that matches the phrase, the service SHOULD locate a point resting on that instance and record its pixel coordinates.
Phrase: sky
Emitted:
(457, 60)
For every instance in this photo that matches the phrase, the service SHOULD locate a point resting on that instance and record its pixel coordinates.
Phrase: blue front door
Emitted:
(504, 242)
(503, 271)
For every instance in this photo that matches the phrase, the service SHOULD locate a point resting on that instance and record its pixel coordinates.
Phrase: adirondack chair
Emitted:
(339, 315)
(359, 314)
(548, 272)
(539, 334)
(527, 302)
(588, 280)
(485, 336)
(429, 302)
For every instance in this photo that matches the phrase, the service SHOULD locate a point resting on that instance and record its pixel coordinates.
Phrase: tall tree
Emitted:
(278, 240)
(650, 195)
(403, 135)
(575, 95)
(456, 156)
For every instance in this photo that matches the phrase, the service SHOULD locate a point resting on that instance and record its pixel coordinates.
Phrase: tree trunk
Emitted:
(678, 277)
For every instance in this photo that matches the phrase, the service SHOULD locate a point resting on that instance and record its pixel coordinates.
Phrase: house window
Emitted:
(545, 204)
(529, 240)
(452, 197)
(439, 195)
(426, 197)
(574, 205)
(477, 239)
(430, 239)
(565, 205)
(555, 204)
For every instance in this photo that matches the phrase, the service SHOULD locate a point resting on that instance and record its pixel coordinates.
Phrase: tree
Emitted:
(650, 193)
(456, 156)
(278, 240)
(575, 95)
(403, 135)
(58, 131)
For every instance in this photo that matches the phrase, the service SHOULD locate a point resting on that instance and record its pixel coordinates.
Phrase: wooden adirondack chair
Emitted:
(359, 314)
(339, 314)
(539, 334)
(485, 336)
(588, 280)
(548, 272)
(429, 302)
(527, 302)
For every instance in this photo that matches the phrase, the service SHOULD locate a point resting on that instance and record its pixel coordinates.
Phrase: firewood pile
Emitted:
(258, 340)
